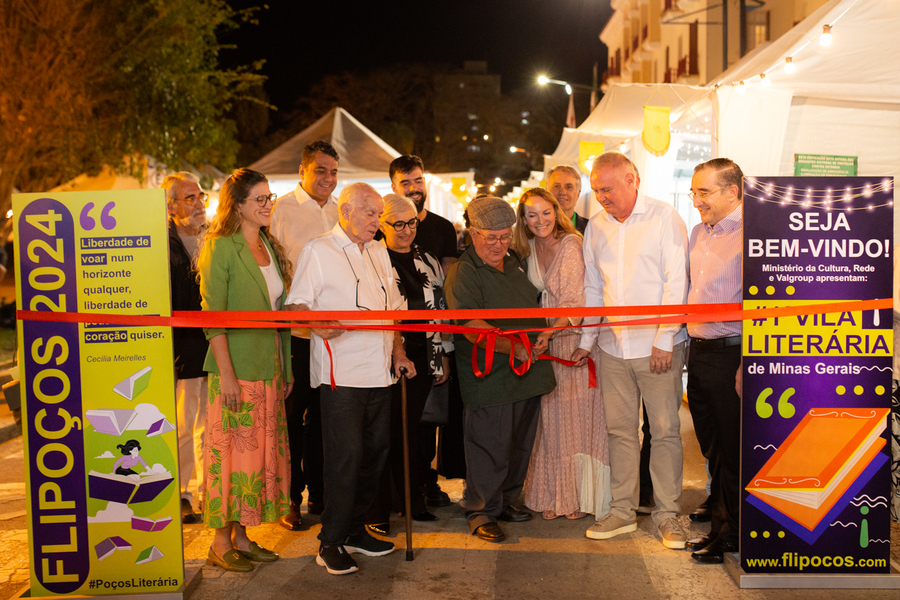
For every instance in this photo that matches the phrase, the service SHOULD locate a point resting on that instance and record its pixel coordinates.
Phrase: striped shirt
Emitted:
(715, 255)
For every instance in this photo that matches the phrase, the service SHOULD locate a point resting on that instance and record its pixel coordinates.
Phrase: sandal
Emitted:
(230, 561)
(576, 515)
(549, 515)
(257, 553)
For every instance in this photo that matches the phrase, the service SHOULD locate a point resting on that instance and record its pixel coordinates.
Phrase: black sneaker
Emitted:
(336, 560)
(365, 544)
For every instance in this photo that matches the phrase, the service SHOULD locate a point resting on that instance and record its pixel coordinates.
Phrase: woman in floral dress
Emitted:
(246, 448)
(569, 470)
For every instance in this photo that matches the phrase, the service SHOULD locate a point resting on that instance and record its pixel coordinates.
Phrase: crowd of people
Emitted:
(317, 409)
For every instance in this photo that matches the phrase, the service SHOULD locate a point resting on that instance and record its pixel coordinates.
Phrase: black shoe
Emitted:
(364, 543)
(700, 542)
(291, 521)
(188, 516)
(379, 528)
(703, 513)
(314, 507)
(435, 497)
(646, 504)
(336, 560)
(515, 515)
(490, 532)
(714, 554)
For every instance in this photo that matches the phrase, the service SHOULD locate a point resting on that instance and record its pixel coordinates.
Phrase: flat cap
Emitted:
(490, 213)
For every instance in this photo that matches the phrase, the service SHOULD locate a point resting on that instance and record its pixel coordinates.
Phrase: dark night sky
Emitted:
(302, 40)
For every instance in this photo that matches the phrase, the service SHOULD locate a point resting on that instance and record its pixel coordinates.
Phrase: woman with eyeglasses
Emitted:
(420, 279)
(569, 470)
(246, 450)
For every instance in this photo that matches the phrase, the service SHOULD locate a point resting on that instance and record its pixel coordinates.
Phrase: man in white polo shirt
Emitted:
(306, 213)
(347, 270)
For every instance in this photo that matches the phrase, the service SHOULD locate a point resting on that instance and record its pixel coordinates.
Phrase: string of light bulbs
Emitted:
(827, 198)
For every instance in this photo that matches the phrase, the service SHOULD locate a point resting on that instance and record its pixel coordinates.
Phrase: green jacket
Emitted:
(230, 279)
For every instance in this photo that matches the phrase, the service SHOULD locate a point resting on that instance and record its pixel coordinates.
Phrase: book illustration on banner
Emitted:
(113, 421)
(105, 548)
(148, 555)
(146, 524)
(125, 489)
(132, 386)
(814, 474)
(160, 427)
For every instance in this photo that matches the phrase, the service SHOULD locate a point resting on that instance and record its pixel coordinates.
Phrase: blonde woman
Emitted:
(246, 451)
(569, 470)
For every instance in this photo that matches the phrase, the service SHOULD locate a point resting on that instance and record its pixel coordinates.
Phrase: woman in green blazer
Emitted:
(246, 449)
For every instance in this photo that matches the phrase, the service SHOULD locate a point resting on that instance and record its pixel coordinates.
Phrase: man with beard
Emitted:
(564, 182)
(437, 235)
(186, 205)
(306, 213)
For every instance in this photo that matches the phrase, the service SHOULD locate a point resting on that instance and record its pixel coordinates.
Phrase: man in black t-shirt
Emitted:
(437, 235)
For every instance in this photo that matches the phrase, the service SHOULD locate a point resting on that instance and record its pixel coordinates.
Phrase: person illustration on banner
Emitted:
(130, 458)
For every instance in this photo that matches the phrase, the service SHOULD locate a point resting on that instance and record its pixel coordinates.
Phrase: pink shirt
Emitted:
(715, 271)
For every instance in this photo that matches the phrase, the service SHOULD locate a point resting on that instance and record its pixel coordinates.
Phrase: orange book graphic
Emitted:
(819, 460)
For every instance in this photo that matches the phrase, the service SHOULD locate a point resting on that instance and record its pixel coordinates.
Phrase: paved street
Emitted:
(541, 559)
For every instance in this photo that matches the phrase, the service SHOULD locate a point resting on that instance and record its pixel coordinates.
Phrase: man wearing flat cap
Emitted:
(501, 408)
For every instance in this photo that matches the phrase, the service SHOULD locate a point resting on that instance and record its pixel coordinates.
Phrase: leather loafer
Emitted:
(703, 513)
(315, 508)
(257, 553)
(291, 521)
(379, 528)
(490, 532)
(699, 543)
(714, 554)
(435, 497)
(515, 515)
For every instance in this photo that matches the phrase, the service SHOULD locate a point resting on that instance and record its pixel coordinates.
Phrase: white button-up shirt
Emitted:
(332, 274)
(715, 258)
(640, 262)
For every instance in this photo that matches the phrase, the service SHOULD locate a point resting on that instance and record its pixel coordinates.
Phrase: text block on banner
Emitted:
(98, 400)
(815, 451)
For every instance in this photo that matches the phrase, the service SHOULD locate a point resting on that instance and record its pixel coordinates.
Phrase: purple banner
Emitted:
(816, 389)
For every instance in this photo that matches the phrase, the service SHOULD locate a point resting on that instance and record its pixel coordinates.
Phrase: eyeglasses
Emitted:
(384, 291)
(702, 196)
(494, 240)
(194, 199)
(262, 200)
(401, 225)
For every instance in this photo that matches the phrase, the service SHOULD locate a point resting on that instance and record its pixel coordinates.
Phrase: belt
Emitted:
(718, 343)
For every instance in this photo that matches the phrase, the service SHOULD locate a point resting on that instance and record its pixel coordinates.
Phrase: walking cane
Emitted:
(406, 492)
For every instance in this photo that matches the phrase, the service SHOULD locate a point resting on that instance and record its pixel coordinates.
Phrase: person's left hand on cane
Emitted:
(401, 362)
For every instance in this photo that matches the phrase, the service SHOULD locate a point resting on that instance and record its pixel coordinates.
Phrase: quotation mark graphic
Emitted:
(785, 408)
(107, 221)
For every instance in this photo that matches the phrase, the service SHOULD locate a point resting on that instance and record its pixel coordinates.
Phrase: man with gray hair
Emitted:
(501, 408)
(564, 182)
(635, 253)
(345, 269)
(186, 206)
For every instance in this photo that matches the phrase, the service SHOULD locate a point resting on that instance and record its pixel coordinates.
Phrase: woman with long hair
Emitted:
(569, 470)
(246, 451)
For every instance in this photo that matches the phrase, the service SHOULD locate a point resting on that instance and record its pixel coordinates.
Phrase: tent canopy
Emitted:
(620, 113)
(362, 153)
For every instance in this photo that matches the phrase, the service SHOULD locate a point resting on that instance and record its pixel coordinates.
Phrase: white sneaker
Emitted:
(672, 535)
(610, 526)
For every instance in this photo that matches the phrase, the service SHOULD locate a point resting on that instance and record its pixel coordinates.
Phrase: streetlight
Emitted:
(544, 80)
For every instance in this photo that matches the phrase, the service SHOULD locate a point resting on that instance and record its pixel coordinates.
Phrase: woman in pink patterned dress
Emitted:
(569, 471)
(246, 454)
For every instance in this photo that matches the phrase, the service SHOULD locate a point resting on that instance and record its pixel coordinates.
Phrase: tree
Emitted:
(85, 83)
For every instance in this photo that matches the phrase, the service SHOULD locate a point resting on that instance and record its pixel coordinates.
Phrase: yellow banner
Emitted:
(656, 135)
(587, 152)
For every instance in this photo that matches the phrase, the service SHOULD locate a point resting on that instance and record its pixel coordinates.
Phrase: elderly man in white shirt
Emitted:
(635, 253)
(309, 211)
(346, 270)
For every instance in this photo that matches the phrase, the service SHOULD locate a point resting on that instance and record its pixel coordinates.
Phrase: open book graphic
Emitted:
(132, 386)
(113, 421)
(160, 427)
(105, 548)
(123, 489)
(819, 461)
(145, 524)
(149, 555)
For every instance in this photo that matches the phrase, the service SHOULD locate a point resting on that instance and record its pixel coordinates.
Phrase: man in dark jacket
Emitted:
(186, 205)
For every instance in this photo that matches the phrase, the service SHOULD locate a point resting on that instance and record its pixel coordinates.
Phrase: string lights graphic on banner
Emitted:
(825, 39)
(827, 198)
